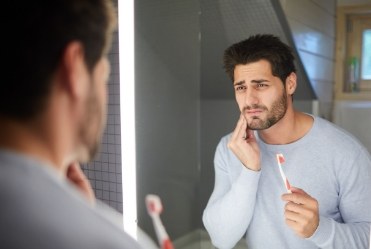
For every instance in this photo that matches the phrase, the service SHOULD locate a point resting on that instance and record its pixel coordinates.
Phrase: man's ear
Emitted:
(74, 70)
(291, 83)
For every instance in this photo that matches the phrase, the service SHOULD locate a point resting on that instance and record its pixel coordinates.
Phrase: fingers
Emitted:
(295, 217)
(301, 212)
(76, 176)
(295, 197)
(304, 224)
(74, 172)
(298, 228)
(297, 212)
(250, 135)
(240, 130)
(299, 202)
(297, 190)
(244, 145)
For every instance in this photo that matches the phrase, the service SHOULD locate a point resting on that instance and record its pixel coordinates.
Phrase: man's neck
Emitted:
(31, 139)
(293, 126)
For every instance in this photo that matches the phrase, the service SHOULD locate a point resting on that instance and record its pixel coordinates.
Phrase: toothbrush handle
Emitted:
(167, 244)
(159, 229)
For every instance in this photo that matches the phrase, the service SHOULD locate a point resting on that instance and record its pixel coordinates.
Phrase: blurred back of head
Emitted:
(35, 40)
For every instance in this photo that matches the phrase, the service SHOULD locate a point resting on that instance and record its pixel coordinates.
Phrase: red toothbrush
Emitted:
(154, 208)
(280, 161)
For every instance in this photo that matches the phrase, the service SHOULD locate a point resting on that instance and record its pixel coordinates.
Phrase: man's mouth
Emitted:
(253, 112)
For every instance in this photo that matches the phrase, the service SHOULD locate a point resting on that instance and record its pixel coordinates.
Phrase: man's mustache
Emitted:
(259, 107)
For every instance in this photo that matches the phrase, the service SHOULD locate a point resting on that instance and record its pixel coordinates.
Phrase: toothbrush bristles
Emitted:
(154, 204)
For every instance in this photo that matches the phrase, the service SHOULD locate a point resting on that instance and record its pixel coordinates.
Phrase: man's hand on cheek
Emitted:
(78, 178)
(243, 144)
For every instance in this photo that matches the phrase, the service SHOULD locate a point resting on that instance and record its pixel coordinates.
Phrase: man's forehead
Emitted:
(254, 68)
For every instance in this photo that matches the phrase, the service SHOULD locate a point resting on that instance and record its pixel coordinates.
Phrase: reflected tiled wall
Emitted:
(104, 172)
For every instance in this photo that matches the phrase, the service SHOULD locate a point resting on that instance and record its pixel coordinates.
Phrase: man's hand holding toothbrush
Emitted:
(301, 212)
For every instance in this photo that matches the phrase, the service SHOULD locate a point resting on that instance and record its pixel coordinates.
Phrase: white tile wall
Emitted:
(104, 172)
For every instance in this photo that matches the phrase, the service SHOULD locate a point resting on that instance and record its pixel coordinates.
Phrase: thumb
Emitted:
(297, 190)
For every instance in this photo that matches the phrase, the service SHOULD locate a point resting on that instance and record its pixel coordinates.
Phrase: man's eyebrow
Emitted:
(259, 81)
(238, 83)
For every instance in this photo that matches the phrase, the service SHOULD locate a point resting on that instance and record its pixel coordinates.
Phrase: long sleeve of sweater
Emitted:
(355, 208)
(327, 163)
(231, 205)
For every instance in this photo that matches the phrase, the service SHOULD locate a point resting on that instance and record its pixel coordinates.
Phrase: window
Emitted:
(366, 55)
(353, 53)
(358, 53)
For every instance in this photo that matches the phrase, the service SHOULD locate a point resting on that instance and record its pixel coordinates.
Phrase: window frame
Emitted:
(356, 24)
(343, 53)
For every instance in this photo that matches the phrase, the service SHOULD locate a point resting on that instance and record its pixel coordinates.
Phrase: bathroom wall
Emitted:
(312, 24)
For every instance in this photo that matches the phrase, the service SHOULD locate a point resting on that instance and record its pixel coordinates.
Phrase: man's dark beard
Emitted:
(92, 116)
(277, 112)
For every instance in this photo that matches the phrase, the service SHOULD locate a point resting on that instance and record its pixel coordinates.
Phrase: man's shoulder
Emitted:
(225, 138)
(335, 132)
(61, 218)
(222, 146)
(337, 141)
(39, 205)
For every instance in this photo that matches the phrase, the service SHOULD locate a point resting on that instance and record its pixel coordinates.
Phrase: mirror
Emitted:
(185, 102)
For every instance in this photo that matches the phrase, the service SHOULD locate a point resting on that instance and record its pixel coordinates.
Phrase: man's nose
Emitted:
(251, 97)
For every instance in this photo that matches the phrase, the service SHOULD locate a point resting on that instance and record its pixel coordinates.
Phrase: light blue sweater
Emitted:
(328, 163)
(40, 210)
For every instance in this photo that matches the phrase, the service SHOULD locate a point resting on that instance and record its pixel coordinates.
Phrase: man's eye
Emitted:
(239, 88)
(261, 85)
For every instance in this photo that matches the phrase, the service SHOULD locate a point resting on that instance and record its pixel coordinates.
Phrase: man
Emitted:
(329, 203)
(52, 112)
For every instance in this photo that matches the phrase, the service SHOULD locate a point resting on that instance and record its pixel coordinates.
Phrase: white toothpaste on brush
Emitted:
(280, 161)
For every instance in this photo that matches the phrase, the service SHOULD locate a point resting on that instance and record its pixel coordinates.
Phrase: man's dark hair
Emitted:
(261, 47)
(36, 40)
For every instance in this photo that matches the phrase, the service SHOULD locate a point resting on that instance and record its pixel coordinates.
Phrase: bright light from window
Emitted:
(366, 55)
(127, 113)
